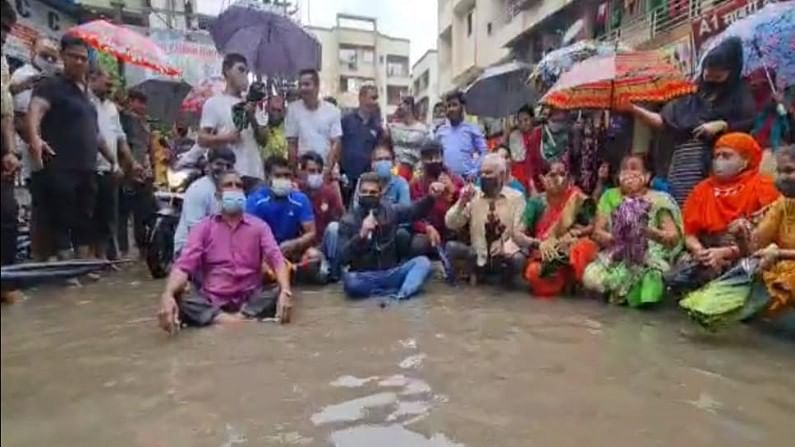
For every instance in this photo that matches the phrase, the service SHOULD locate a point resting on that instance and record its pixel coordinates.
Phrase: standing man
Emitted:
(10, 165)
(361, 132)
(275, 140)
(218, 127)
(106, 211)
(64, 139)
(313, 124)
(137, 196)
(463, 142)
(44, 62)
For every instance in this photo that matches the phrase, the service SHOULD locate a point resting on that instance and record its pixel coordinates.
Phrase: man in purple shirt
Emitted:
(463, 142)
(229, 252)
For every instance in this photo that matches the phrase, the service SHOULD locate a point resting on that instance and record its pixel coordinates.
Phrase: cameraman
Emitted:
(225, 122)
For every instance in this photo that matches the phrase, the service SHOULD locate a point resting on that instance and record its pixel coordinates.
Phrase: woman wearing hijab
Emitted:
(718, 207)
(723, 103)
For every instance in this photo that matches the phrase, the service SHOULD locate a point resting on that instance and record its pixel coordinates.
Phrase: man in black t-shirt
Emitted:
(64, 139)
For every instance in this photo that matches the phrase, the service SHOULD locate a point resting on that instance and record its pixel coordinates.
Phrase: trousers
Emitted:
(401, 282)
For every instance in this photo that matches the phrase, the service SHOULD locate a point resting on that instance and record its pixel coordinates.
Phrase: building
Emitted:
(425, 84)
(476, 33)
(163, 14)
(355, 53)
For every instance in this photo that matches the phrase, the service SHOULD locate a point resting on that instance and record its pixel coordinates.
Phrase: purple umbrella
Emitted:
(273, 44)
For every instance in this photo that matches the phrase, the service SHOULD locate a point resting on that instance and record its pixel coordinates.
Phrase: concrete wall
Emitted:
(428, 94)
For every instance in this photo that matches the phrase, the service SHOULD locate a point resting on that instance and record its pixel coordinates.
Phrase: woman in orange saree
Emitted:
(556, 227)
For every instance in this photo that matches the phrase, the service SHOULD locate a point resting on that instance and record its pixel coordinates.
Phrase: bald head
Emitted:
(493, 174)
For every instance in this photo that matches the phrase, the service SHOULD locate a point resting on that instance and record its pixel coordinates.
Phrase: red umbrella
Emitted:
(604, 82)
(200, 93)
(125, 44)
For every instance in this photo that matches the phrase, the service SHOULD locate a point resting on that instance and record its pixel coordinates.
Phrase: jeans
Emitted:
(329, 246)
(402, 282)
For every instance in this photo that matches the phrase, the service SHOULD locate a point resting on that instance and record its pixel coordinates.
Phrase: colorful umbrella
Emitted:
(500, 91)
(127, 45)
(557, 62)
(273, 44)
(200, 93)
(768, 41)
(605, 82)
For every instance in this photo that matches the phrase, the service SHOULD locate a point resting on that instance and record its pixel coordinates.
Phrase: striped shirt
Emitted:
(688, 168)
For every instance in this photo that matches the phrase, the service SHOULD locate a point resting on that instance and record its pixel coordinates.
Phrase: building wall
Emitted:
(365, 60)
(426, 93)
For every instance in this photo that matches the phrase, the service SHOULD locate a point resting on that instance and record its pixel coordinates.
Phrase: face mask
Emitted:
(490, 185)
(383, 168)
(369, 202)
(726, 168)
(275, 121)
(631, 181)
(232, 202)
(281, 187)
(47, 68)
(786, 187)
(314, 181)
(433, 169)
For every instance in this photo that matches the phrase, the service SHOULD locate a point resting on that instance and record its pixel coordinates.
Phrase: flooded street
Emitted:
(457, 367)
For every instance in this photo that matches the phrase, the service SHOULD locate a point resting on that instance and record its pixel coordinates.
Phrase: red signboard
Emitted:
(719, 18)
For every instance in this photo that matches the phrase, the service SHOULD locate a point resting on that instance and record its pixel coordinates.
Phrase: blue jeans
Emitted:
(402, 282)
(329, 246)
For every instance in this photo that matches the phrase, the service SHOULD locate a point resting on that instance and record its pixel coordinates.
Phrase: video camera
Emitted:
(257, 92)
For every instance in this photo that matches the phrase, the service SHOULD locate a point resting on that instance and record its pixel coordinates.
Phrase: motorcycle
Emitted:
(160, 238)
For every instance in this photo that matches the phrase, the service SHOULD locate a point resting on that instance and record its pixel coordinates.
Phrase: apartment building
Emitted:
(474, 34)
(356, 53)
(162, 14)
(425, 83)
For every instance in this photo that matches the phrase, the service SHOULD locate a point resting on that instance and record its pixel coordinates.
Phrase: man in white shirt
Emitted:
(313, 124)
(218, 127)
(106, 210)
(45, 61)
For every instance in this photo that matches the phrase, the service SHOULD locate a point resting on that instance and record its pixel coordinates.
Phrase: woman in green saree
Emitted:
(629, 269)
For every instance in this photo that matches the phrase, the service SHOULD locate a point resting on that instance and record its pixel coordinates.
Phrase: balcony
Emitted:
(445, 18)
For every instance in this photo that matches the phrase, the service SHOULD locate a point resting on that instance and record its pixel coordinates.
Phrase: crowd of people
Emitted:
(315, 196)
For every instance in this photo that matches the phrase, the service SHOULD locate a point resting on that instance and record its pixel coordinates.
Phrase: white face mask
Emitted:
(47, 68)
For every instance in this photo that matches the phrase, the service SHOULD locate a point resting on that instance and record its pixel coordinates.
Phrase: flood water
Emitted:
(87, 367)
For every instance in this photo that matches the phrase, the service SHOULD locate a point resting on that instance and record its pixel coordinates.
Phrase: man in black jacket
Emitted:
(367, 244)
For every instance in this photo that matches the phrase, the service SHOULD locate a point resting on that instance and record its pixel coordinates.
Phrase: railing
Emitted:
(661, 20)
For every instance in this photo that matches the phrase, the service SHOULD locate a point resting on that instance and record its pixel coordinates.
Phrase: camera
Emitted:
(257, 92)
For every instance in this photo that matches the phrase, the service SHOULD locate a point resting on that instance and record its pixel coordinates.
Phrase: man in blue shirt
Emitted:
(395, 188)
(361, 131)
(288, 212)
(463, 142)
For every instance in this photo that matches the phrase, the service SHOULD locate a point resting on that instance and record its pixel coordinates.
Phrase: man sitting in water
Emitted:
(288, 212)
(202, 196)
(367, 243)
(228, 252)
(492, 212)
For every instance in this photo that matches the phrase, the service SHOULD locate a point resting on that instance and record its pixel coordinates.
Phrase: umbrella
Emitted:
(125, 44)
(273, 44)
(603, 82)
(164, 98)
(500, 91)
(768, 38)
(557, 62)
(201, 92)
(35, 273)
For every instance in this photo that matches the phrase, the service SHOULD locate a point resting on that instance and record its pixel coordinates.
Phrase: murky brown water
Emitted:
(458, 367)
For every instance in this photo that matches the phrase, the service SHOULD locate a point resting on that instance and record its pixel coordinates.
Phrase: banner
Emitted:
(719, 18)
(192, 52)
(34, 18)
(680, 54)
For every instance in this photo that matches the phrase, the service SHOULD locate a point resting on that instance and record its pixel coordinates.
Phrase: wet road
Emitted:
(458, 367)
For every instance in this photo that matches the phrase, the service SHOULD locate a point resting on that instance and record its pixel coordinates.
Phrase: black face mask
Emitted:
(786, 187)
(369, 203)
(433, 169)
(490, 185)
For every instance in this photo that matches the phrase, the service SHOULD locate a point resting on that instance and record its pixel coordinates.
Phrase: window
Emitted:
(350, 84)
(394, 93)
(469, 23)
(488, 28)
(348, 58)
(381, 59)
(368, 56)
(397, 66)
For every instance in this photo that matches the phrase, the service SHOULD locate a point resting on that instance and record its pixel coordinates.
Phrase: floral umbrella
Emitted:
(557, 62)
(605, 82)
(768, 38)
(125, 44)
